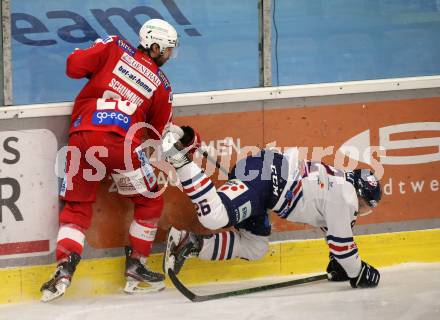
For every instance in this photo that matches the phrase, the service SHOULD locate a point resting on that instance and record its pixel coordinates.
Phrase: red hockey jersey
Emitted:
(125, 87)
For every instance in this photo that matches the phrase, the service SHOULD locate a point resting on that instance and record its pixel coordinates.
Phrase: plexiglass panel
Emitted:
(219, 42)
(316, 41)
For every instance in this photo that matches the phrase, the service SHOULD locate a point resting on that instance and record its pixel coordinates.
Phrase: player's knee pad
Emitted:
(252, 247)
(220, 246)
(234, 244)
(77, 213)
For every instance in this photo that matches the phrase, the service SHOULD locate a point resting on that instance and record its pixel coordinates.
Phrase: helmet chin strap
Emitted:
(364, 209)
(366, 213)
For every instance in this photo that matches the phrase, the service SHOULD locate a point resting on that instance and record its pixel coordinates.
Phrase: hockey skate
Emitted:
(139, 278)
(57, 285)
(180, 246)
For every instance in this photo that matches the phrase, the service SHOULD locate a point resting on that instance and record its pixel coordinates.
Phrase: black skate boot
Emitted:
(139, 278)
(180, 246)
(56, 287)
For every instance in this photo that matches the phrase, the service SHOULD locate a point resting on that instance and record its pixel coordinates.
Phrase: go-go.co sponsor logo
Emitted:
(111, 118)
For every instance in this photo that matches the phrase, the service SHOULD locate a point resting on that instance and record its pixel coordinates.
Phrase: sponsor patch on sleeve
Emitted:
(124, 45)
(164, 79)
(107, 39)
(244, 211)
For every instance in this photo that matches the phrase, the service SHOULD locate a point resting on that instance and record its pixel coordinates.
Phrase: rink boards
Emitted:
(105, 276)
(400, 115)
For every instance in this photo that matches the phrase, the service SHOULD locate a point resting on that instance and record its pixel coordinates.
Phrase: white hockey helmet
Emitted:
(158, 31)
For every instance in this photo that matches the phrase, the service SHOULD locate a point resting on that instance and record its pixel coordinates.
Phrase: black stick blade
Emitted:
(196, 298)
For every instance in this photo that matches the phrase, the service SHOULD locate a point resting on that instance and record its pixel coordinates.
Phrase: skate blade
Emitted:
(174, 237)
(139, 287)
(48, 295)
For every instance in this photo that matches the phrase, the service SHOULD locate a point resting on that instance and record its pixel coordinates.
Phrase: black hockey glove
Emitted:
(335, 272)
(368, 277)
(191, 138)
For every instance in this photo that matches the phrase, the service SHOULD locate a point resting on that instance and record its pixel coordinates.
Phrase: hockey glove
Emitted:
(335, 272)
(190, 138)
(178, 143)
(368, 277)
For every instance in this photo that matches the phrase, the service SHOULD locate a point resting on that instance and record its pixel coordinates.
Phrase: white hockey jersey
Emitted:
(306, 192)
(320, 195)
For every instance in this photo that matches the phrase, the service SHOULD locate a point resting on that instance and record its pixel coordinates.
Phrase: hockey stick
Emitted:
(197, 298)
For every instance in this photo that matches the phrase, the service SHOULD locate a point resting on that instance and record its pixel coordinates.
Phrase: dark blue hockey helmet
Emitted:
(367, 185)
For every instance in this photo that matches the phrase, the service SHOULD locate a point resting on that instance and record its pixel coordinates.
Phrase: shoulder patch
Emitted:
(233, 188)
(164, 79)
(107, 39)
(127, 47)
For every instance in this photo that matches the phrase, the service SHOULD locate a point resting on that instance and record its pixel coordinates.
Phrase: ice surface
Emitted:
(408, 291)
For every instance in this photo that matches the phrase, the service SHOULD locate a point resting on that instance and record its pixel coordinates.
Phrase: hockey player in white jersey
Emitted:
(306, 192)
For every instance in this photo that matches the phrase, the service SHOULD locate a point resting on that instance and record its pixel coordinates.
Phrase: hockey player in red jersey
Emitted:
(126, 88)
(299, 191)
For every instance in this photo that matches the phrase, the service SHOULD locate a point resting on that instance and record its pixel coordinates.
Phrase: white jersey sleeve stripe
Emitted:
(197, 187)
(193, 181)
(202, 191)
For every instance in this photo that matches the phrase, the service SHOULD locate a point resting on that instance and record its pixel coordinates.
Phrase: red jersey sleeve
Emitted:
(160, 112)
(85, 62)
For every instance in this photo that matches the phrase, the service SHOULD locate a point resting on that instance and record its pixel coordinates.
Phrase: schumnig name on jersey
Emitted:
(125, 92)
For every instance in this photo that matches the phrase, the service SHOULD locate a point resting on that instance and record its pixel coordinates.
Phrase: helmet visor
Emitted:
(175, 49)
(174, 52)
(170, 52)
